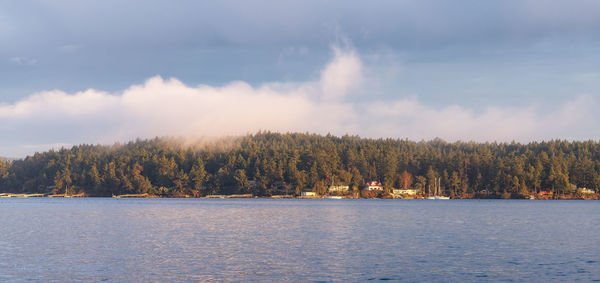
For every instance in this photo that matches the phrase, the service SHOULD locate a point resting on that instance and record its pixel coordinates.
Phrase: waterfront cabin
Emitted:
(373, 186)
(338, 188)
(585, 191)
(410, 192)
(309, 194)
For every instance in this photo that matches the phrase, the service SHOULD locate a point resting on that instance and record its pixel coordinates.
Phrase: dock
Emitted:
(80, 195)
(11, 195)
(132, 196)
(231, 196)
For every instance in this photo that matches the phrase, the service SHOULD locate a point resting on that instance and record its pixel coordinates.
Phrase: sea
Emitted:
(298, 240)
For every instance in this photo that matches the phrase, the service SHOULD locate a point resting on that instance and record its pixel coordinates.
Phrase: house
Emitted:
(337, 188)
(585, 191)
(309, 194)
(373, 186)
(404, 192)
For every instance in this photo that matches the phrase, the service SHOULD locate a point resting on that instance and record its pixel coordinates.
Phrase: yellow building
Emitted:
(404, 192)
(334, 188)
(585, 191)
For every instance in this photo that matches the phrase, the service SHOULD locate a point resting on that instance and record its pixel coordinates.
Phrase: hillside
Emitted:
(272, 163)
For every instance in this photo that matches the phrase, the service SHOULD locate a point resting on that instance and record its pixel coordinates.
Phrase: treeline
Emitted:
(271, 163)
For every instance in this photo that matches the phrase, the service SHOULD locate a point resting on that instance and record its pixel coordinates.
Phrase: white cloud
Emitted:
(169, 107)
(69, 48)
(23, 61)
(341, 75)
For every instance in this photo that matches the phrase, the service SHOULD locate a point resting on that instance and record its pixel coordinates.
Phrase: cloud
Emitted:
(23, 61)
(168, 107)
(341, 75)
(69, 48)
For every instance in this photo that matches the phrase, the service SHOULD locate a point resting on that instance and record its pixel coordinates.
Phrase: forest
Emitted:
(267, 164)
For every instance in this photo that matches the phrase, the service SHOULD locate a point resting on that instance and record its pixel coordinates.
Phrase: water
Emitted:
(135, 240)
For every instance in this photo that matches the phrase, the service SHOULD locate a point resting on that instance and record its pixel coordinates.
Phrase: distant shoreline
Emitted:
(295, 164)
(249, 196)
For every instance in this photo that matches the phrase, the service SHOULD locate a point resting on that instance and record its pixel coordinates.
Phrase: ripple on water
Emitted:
(300, 240)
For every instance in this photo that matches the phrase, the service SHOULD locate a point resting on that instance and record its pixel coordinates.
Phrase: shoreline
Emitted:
(249, 196)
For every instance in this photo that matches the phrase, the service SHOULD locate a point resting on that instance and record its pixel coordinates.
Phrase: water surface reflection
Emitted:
(307, 240)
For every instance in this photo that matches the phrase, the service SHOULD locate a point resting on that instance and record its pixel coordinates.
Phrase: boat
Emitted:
(438, 197)
(334, 197)
(437, 190)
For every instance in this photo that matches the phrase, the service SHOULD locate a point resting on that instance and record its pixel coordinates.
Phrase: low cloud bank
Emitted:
(168, 107)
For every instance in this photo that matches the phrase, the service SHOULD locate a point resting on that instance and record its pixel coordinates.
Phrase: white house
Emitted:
(309, 194)
(373, 186)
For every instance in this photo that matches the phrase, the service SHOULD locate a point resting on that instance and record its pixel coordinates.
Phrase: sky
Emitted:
(75, 72)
